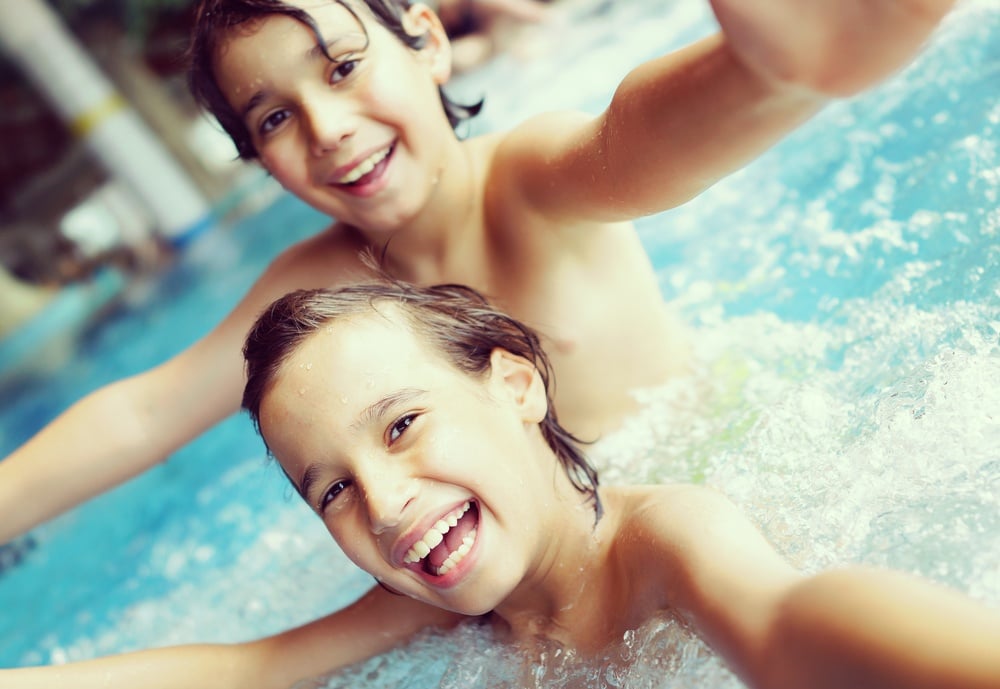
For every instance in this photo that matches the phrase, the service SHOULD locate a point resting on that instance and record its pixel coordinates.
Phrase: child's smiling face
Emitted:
(356, 136)
(395, 447)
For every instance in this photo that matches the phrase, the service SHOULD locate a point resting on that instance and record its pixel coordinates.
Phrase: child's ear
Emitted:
(421, 20)
(521, 383)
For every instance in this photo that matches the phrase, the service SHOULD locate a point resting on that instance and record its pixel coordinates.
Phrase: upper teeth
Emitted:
(435, 535)
(364, 167)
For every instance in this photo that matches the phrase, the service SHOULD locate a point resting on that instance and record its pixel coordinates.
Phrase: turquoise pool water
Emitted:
(844, 294)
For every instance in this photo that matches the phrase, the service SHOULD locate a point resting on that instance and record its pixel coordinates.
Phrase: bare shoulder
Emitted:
(530, 158)
(704, 557)
(537, 140)
(327, 259)
(697, 529)
(654, 504)
(538, 133)
(681, 521)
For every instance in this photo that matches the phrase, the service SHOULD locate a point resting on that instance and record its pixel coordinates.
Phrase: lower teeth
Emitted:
(456, 556)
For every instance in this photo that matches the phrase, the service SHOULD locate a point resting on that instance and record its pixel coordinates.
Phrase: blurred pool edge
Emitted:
(46, 340)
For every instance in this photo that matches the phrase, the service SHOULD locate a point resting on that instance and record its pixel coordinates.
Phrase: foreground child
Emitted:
(417, 423)
(340, 101)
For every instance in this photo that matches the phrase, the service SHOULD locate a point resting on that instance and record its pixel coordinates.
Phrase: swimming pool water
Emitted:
(844, 294)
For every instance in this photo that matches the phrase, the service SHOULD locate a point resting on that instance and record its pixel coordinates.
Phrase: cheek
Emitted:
(468, 456)
(411, 99)
(281, 162)
(352, 536)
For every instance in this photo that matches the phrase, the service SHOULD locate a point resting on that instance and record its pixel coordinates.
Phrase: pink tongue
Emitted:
(452, 540)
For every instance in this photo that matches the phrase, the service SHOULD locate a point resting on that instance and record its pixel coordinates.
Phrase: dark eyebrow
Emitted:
(373, 412)
(308, 479)
(254, 101)
(324, 49)
(370, 414)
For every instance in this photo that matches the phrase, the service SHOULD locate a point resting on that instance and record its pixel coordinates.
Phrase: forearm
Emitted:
(685, 120)
(859, 628)
(838, 47)
(182, 667)
(104, 439)
(678, 124)
(79, 454)
(371, 625)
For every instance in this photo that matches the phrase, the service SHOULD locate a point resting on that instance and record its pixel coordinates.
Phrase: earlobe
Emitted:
(522, 384)
(421, 20)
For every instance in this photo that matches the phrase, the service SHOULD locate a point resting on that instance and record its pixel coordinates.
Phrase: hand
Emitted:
(834, 47)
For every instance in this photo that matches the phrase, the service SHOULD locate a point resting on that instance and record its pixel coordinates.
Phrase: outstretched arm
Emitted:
(679, 123)
(853, 628)
(870, 629)
(372, 625)
(123, 429)
(835, 47)
(117, 432)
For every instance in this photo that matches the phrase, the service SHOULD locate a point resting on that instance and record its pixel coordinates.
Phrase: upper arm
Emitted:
(675, 125)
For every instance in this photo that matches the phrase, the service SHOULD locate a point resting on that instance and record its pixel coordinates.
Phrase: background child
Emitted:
(532, 217)
(477, 29)
(417, 423)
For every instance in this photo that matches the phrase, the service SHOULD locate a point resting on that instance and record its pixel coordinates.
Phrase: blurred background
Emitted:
(107, 166)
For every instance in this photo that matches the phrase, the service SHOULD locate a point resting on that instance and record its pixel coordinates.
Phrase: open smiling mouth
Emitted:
(447, 542)
(368, 169)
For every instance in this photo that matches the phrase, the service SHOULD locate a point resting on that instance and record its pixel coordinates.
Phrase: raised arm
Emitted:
(679, 123)
(372, 625)
(851, 628)
(836, 47)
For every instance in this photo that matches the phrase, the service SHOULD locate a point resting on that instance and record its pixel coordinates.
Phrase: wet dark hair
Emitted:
(215, 19)
(456, 320)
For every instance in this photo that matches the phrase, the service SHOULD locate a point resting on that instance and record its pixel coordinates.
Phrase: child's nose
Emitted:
(327, 125)
(386, 499)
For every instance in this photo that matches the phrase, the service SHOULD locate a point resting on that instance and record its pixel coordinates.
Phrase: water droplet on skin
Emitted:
(343, 399)
(309, 366)
(302, 391)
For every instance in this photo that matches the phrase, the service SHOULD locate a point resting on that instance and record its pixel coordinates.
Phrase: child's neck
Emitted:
(446, 241)
(576, 595)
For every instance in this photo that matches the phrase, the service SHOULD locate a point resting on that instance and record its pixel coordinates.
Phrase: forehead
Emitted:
(361, 342)
(329, 16)
(266, 37)
(350, 360)
(320, 395)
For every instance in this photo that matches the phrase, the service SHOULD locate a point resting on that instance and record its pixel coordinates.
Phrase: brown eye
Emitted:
(331, 494)
(273, 121)
(343, 70)
(399, 427)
